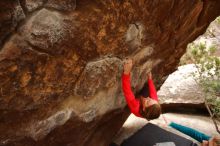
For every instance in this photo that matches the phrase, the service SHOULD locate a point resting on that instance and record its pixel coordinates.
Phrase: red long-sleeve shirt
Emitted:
(133, 103)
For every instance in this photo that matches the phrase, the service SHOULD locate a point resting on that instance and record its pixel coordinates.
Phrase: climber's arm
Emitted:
(133, 103)
(152, 89)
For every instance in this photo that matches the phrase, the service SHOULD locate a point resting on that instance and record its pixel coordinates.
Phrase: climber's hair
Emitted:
(151, 112)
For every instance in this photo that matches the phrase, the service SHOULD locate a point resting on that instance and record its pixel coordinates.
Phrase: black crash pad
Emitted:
(151, 134)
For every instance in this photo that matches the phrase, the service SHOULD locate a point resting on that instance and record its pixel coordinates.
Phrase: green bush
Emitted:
(208, 67)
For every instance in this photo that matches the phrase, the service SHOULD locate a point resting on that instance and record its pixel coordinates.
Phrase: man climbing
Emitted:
(146, 105)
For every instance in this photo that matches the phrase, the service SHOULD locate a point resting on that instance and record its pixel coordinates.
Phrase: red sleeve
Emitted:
(153, 92)
(133, 103)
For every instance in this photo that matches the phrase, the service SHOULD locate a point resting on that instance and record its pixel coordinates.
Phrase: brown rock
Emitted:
(67, 5)
(11, 14)
(64, 52)
(31, 5)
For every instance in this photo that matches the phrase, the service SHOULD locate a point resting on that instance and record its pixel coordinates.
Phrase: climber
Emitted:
(146, 105)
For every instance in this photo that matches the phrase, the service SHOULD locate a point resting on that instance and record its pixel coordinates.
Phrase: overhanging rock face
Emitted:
(61, 62)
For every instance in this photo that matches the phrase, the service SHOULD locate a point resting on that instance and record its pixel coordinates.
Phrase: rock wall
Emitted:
(61, 62)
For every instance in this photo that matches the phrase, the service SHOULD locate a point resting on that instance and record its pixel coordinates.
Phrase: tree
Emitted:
(208, 72)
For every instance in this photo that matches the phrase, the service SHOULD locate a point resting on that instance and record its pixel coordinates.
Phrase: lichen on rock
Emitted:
(44, 30)
(107, 70)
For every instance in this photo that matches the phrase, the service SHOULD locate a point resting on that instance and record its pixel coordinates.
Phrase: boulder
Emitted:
(61, 62)
(181, 91)
(181, 87)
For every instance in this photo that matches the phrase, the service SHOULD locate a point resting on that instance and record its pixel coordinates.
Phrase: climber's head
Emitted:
(149, 108)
